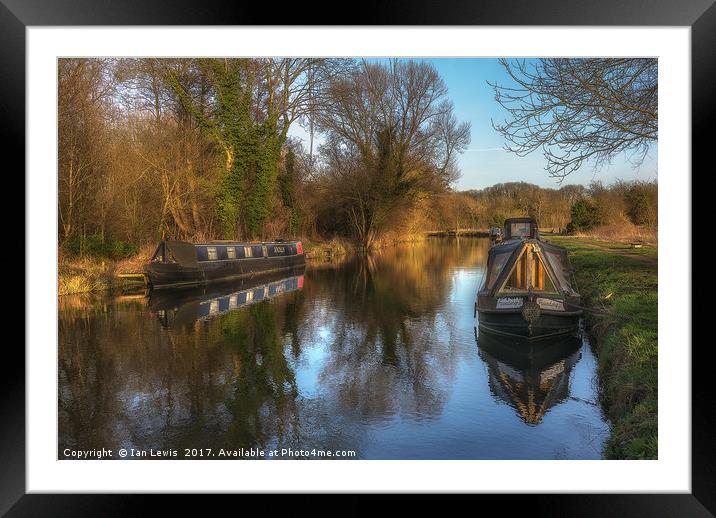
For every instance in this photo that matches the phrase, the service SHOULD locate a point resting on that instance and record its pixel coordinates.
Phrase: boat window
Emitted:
(559, 267)
(541, 280)
(247, 251)
(231, 252)
(498, 263)
(211, 253)
(520, 229)
(517, 281)
(529, 271)
(214, 307)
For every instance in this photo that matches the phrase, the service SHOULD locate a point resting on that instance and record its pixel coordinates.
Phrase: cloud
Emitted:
(485, 149)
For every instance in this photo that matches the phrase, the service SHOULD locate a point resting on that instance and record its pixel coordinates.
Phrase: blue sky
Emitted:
(485, 163)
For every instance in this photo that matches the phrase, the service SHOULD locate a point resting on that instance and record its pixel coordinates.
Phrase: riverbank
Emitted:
(622, 281)
(93, 274)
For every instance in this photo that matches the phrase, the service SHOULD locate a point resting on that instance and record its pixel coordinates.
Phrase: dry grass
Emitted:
(623, 233)
(394, 237)
(91, 274)
(83, 275)
(335, 247)
(134, 264)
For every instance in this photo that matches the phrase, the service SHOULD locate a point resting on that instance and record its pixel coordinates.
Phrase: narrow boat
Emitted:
(527, 290)
(178, 263)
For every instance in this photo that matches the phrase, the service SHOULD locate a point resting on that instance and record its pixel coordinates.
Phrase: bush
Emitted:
(585, 215)
(641, 201)
(498, 220)
(95, 246)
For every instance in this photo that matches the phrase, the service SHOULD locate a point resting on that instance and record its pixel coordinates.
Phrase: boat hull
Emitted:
(512, 324)
(170, 275)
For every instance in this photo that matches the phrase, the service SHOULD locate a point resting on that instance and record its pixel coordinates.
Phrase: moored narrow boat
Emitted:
(527, 290)
(178, 263)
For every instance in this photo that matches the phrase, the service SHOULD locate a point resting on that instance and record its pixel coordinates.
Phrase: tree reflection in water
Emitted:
(390, 335)
(366, 344)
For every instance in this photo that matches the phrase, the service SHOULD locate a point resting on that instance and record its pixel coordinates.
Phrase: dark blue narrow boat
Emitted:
(178, 263)
(527, 291)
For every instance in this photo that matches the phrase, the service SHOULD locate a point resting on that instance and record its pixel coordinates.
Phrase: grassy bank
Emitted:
(326, 249)
(622, 281)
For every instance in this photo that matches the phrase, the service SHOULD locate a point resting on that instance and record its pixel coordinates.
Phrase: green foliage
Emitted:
(497, 220)
(97, 246)
(595, 206)
(585, 215)
(265, 161)
(287, 188)
(230, 124)
(251, 143)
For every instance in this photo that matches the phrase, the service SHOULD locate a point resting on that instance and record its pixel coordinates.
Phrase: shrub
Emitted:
(96, 246)
(641, 201)
(498, 220)
(585, 215)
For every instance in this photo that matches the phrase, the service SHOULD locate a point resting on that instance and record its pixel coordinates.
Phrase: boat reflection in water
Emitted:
(530, 377)
(183, 307)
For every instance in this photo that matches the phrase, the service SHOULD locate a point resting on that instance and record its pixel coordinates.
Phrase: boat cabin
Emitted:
(190, 254)
(521, 228)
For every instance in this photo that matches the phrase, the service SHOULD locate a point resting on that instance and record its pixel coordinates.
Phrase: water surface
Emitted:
(376, 355)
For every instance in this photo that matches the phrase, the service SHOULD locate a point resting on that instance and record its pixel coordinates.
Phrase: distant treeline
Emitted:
(570, 208)
(199, 148)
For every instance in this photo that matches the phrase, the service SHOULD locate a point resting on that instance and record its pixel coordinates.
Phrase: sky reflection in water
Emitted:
(377, 355)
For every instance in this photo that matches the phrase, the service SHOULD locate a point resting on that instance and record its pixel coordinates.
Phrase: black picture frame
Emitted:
(700, 15)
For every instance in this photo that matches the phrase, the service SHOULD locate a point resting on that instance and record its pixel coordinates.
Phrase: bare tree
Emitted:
(168, 143)
(83, 94)
(580, 110)
(390, 135)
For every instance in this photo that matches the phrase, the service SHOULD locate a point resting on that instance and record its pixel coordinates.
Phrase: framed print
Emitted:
(423, 256)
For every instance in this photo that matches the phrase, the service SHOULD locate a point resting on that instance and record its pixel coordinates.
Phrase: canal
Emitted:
(374, 355)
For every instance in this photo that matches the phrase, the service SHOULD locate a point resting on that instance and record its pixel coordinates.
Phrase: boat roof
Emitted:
(554, 258)
(185, 253)
(239, 243)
